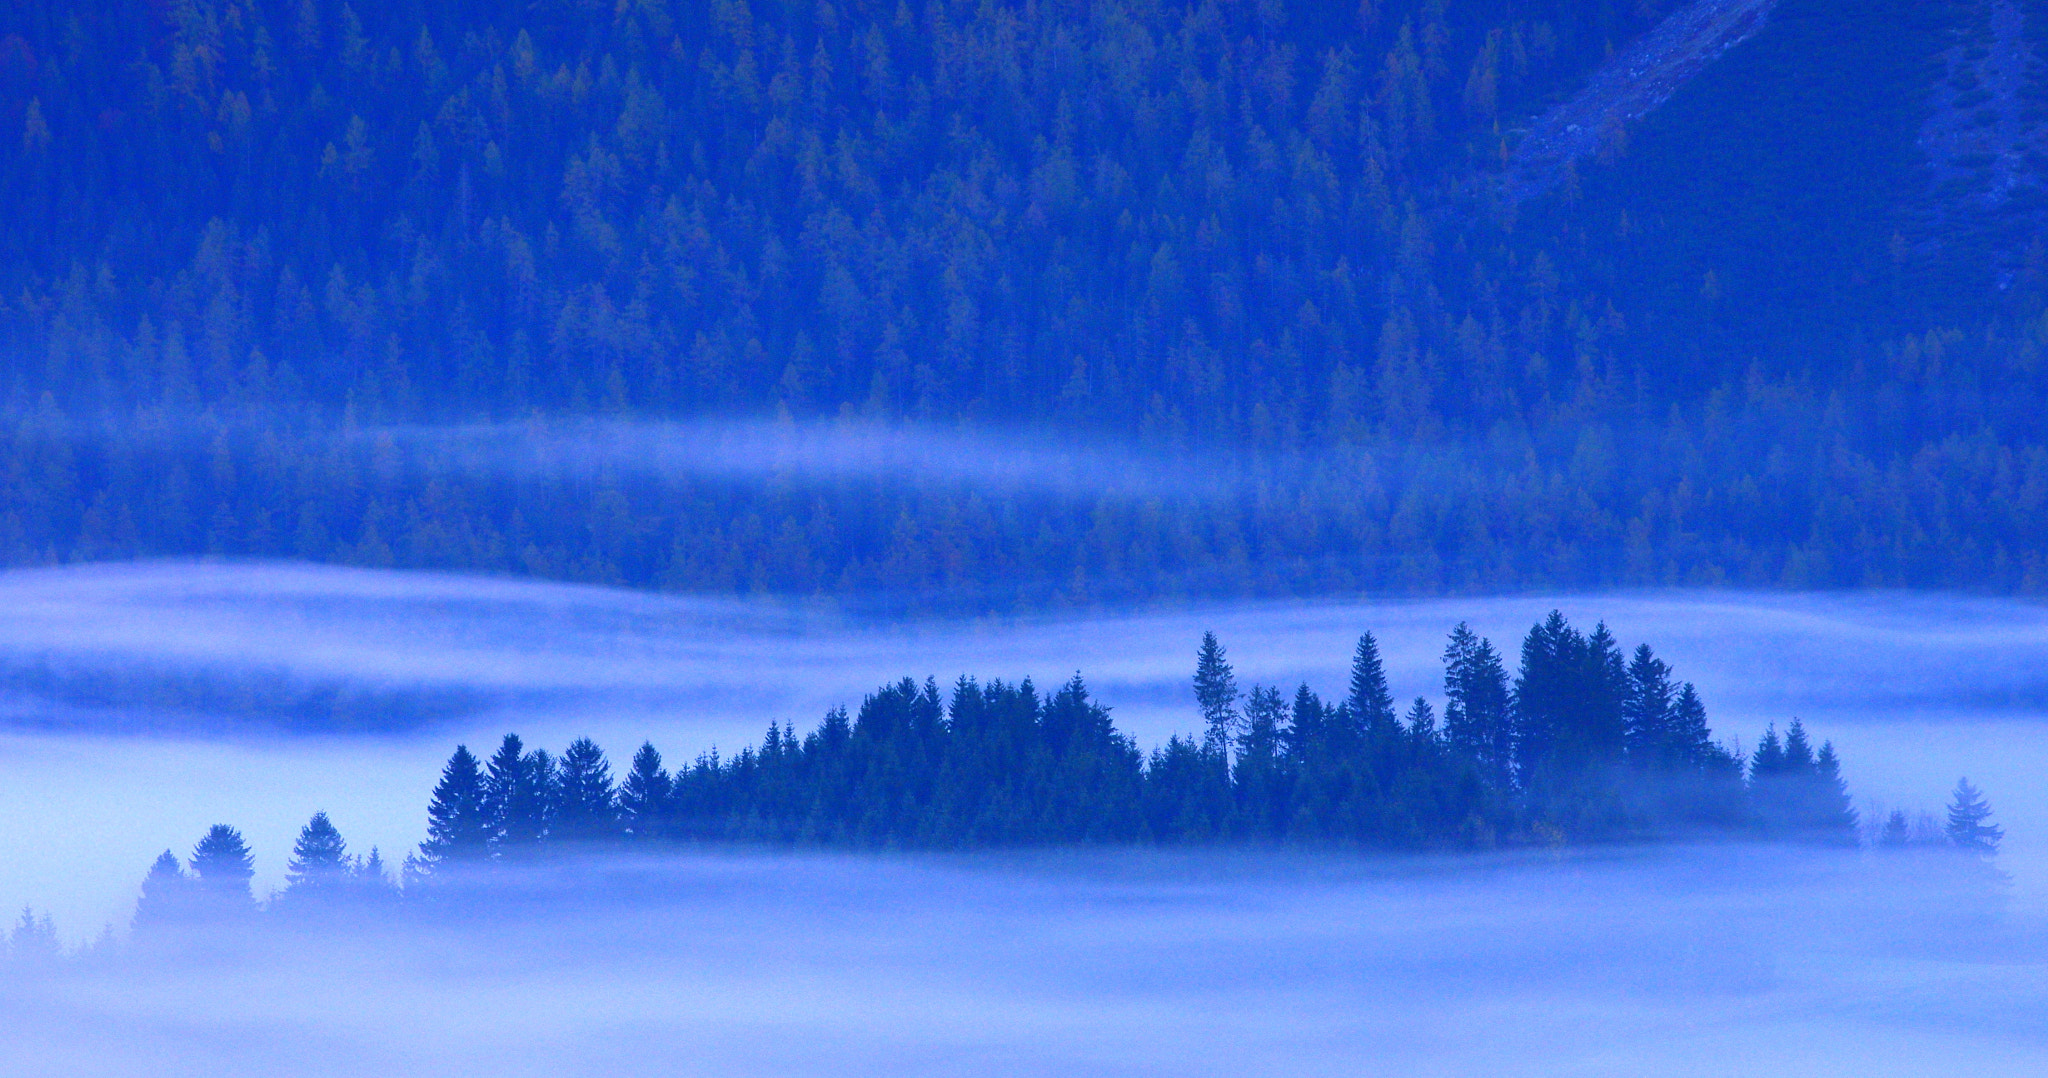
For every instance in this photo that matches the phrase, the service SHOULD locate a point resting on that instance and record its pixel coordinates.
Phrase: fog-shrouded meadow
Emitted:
(146, 702)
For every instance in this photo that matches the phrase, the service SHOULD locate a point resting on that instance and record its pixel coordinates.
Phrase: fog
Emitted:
(1723, 961)
(144, 702)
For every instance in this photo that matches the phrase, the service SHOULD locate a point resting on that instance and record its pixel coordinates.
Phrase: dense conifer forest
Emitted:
(253, 243)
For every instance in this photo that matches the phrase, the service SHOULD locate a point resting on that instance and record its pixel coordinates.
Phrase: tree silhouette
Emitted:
(1967, 815)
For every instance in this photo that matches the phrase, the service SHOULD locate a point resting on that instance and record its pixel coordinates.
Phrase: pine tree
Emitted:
(516, 791)
(586, 806)
(223, 866)
(1967, 829)
(644, 796)
(319, 864)
(1648, 712)
(1216, 692)
(458, 828)
(34, 940)
(168, 895)
(1421, 721)
(1834, 814)
(1371, 701)
(1689, 736)
(1476, 714)
(1897, 831)
(370, 877)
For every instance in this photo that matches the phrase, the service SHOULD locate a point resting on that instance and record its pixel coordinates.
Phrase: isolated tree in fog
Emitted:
(1967, 816)
(1216, 691)
(585, 803)
(223, 865)
(320, 862)
(457, 829)
(644, 796)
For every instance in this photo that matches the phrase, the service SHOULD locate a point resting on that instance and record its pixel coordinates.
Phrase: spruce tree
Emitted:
(1604, 691)
(586, 806)
(1476, 713)
(1648, 712)
(1690, 739)
(1834, 813)
(1421, 721)
(320, 864)
(1897, 832)
(1216, 692)
(223, 866)
(370, 878)
(168, 897)
(1967, 827)
(644, 795)
(516, 791)
(34, 940)
(458, 827)
(1371, 701)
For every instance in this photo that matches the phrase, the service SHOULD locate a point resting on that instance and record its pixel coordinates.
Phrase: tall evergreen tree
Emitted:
(458, 823)
(516, 791)
(222, 866)
(168, 895)
(1689, 736)
(1421, 721)
(1834, 813)
(320, 863)
(1968, 814)
(1648, 712)
(644, 795)
(1216, 692)
(1371, 701)
(586, 806)
(1476, 712)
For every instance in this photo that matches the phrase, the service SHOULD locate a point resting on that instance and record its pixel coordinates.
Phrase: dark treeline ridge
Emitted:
(1581, 744)
(246, 236)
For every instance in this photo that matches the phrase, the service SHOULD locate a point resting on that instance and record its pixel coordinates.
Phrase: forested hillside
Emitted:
(251, 245)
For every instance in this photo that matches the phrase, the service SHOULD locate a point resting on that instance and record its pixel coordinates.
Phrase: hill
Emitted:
(1781, 328)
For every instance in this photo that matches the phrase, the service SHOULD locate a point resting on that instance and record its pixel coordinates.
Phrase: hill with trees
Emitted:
(1784, 329)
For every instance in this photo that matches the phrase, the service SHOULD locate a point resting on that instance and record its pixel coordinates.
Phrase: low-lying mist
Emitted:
(1709, 961)
(215, 664)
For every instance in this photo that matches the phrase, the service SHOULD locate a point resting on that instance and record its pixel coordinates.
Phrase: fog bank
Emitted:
(1728, 961)
(258, 694)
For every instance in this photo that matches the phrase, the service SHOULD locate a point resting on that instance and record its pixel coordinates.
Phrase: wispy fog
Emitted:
(838, 451)
(258, 694)
(1728, 961)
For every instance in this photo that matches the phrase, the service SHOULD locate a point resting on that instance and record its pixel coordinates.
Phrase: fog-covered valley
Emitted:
(258, 694)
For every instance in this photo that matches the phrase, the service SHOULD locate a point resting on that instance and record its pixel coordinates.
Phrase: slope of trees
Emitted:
(249, 235)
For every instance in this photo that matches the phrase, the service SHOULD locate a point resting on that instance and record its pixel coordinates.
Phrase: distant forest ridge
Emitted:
(1756, 338)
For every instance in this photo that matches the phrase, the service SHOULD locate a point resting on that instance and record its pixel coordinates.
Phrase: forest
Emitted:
(1582, 745)
(257, 245)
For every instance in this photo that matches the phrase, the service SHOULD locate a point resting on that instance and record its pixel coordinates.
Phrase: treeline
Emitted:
(248, 235)
(1580, 744)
